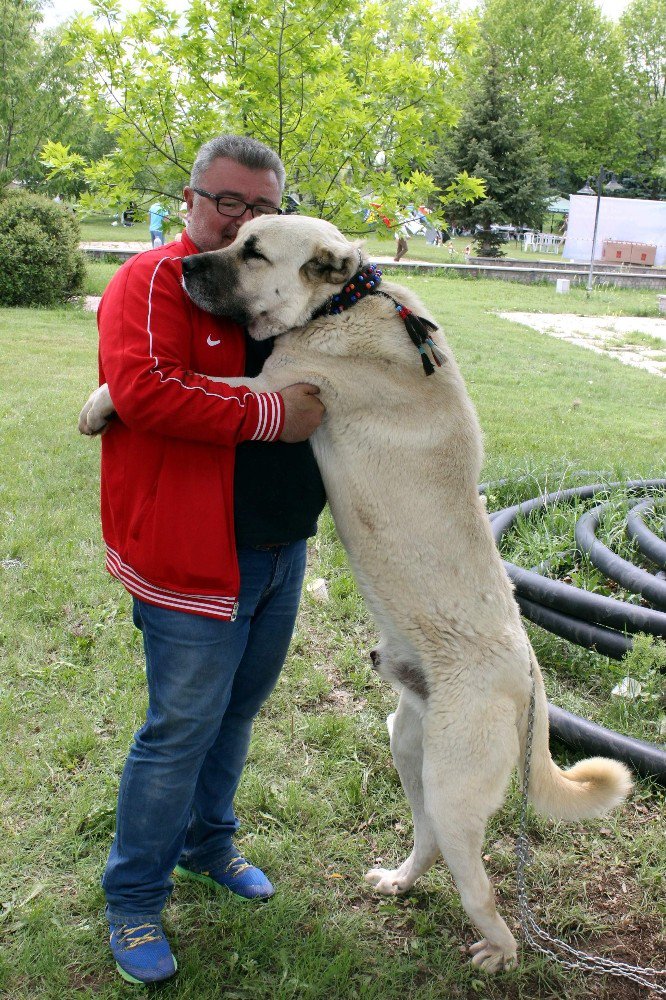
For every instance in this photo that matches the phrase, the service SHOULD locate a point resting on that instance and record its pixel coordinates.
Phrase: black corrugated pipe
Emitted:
(595, 637)
(580, 604)
(635, 579)
(582, 627)
(649, 543)
(646, 758)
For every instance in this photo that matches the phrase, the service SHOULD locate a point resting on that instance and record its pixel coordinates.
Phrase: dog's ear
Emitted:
(331, 265)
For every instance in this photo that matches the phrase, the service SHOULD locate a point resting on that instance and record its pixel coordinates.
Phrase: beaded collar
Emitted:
(366, 282)
(361, 284)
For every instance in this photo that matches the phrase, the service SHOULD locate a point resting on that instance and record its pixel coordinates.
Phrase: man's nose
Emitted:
(240, 219)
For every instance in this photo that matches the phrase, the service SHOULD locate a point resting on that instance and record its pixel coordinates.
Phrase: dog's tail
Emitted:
(590, 788)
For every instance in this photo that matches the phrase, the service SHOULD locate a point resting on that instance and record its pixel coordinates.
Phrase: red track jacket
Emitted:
(168, 458)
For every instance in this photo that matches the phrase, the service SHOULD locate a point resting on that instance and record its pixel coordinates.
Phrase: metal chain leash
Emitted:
(533, 933)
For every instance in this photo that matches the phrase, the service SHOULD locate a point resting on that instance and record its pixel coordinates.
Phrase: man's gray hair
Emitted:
(242, 149)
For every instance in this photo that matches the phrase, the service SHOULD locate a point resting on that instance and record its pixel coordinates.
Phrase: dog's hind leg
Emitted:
(465, 780)
(407, 750)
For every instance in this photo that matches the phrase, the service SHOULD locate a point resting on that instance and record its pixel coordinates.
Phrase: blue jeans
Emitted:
(207, 679)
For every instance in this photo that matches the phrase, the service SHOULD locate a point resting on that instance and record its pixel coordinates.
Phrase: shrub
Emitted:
(40, 260)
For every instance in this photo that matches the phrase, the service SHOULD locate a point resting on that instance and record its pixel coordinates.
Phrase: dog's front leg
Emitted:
(97, 411)
(269, 380)
(99, 408)
(256, 384)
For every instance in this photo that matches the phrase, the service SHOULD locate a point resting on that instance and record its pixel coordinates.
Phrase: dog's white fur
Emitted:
(400, 455)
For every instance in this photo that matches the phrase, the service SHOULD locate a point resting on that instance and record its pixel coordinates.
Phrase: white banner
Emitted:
(624, 219)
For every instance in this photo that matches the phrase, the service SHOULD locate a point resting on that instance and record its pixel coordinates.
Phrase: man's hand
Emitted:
(303, 411)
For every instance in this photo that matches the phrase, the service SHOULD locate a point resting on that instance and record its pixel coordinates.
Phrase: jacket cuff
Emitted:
(271, 416)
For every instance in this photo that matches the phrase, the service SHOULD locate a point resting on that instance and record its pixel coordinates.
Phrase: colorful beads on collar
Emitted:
(362, 283)
(366, 282)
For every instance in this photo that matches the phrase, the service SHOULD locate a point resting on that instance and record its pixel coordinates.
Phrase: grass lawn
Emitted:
(98, 275)
(320, 801)
(102, 230)
(452, 252)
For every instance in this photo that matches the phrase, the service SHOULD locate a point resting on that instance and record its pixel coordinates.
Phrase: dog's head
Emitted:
(276, 274)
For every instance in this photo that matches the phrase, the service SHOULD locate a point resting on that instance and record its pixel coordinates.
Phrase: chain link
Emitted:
(532, 932)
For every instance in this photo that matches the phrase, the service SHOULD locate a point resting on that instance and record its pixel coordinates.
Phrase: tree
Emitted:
(334, 86)
(492, 141)
(564, 62)
(39, 97)
(643, 26)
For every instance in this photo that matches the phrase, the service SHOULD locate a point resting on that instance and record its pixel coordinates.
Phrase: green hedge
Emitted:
(40, 260)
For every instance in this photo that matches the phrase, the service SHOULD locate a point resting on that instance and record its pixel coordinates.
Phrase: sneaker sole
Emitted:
(207, 880)
(143, 982)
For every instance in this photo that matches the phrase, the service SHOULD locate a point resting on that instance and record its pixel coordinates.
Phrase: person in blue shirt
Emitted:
(156, 216)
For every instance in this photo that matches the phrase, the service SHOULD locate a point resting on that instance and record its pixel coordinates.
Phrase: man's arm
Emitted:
(145, 324)
(303, 410)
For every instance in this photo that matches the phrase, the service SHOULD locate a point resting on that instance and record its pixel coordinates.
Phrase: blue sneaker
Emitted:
(142, 953)
(237, 875)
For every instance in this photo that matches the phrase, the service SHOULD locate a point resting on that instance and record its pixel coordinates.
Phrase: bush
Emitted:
(40, 260)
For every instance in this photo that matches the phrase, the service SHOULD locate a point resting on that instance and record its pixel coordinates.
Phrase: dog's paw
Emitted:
(89, 423)
(387, 882)
(94, 417)
(492, 958)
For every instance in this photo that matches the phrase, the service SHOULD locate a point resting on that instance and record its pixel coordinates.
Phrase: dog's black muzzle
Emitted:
(209, 281)
(197, 262)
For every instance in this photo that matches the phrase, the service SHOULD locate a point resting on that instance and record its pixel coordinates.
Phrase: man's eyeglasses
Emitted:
(233, 207)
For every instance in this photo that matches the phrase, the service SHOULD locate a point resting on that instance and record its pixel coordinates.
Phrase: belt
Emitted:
(269, 545)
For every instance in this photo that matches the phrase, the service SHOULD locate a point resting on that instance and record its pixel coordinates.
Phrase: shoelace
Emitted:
(239, 865)
(125, 935)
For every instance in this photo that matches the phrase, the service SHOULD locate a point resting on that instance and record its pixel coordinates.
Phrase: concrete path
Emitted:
(111, 246)
(622, 337)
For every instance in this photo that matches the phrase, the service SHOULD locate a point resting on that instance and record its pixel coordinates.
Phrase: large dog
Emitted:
(400, 454)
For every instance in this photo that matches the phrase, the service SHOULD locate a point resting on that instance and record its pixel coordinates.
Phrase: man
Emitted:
(401, 234)
(156, 216)
(205, 524)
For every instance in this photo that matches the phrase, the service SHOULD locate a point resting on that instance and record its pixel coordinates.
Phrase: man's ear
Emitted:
(331, 265)
(188, 197)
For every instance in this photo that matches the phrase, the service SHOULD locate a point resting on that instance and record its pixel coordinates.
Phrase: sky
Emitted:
(59, 10)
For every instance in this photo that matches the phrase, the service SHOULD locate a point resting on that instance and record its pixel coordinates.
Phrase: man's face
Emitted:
(205, 226)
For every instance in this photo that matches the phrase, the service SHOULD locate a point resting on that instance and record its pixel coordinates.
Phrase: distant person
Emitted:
(156, 216)
(401, 235)
(127, 218)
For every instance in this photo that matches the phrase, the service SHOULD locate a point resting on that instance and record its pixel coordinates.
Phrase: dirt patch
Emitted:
(636, 341)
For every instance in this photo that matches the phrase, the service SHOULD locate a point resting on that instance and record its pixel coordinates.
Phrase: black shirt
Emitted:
(278, 492)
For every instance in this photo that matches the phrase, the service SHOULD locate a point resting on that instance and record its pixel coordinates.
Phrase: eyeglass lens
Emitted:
(234, 207)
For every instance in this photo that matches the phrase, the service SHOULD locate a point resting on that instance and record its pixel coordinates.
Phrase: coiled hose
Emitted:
(603, 624)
